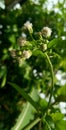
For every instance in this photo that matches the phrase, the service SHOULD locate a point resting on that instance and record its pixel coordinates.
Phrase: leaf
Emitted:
(55, 42)
(62, 90)
(3, 71)
(38, 53)
(3, 75)
(25, 95)
(63, 63)
(61, 125)
(33, 123)
(27, 113)
(3, 81)
(12, 39)
(61, 94)
(57, 116)
(61, 98)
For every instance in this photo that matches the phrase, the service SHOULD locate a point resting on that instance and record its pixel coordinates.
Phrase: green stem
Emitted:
(32, 37)
(52, 76)
(40, 126)
(31, 125)
(49, 128)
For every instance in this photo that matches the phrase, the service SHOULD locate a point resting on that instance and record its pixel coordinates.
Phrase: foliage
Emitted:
(32, 52)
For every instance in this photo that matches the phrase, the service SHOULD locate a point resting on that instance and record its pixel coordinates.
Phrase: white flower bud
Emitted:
(46, 32)
(22, 41)
(28, 26)
(13, 53)
(27, 54)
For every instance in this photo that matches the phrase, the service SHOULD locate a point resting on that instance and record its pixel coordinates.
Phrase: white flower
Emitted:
(46, 31)
(22, 41)
(27, 54)
(28, 26)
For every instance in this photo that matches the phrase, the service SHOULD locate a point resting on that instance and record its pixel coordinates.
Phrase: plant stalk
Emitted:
(52, 77)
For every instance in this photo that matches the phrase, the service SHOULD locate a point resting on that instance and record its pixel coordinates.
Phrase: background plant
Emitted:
(30, 62)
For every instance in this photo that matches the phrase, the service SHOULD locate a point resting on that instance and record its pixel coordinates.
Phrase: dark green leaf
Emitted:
(25, 95)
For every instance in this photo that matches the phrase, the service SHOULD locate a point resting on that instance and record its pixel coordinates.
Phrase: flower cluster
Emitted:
(23, 52)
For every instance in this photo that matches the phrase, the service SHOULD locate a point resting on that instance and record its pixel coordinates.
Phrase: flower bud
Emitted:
(27, 54)
(22, 41)
(43, 47)
(46, 32)
(28, 26)
(13, 53)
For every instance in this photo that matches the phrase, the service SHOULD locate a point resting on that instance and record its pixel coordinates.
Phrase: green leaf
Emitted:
(61, 94)
(33, 123)
(3, 81)
(55, 42)
(62, 90)
(61, 125)
(63, 63)
(38, 53)
(3, 71)
(3, 75)
(25, 95)
(61, 98)
(27, 113)
(12, 39)
(57, 116)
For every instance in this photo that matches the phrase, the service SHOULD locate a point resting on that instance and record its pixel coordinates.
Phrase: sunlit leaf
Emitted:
(57, 116)
(27, 113)
(61, 125)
